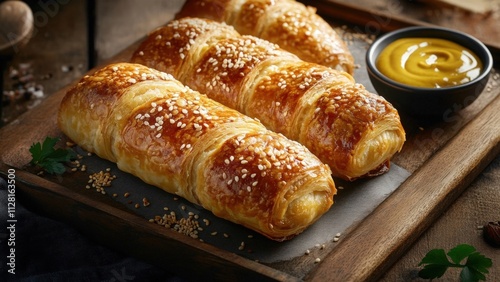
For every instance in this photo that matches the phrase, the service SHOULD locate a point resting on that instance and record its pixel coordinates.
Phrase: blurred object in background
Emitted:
(16, 28)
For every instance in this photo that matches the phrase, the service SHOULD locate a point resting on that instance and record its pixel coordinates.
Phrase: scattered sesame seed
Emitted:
(242, 246)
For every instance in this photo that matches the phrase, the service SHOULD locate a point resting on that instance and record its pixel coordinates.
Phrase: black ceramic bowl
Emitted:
(428, 102)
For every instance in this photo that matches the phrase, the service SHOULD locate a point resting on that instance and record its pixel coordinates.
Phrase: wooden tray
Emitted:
(443, 158)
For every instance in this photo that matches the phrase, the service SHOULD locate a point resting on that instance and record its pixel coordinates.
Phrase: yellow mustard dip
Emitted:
(428, 62)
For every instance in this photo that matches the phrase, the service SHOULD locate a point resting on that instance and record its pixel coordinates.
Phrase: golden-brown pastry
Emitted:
(290, 24)
(352, 130)
(187, 144)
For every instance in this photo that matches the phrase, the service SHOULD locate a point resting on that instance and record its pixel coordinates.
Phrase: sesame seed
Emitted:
(242, 246)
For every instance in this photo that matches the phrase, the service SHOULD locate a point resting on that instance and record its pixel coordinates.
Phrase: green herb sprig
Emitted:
(48, 158)
(474, 269)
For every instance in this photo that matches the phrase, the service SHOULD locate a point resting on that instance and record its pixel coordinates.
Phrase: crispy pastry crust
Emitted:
(352, 130)
(187, 144)
(290, 24)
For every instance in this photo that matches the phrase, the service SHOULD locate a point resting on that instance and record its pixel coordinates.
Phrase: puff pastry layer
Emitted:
(352, 130)
(290, 24)
(181, 141)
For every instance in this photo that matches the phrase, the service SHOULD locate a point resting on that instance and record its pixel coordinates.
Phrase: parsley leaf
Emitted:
(48, 158)
(436, 263)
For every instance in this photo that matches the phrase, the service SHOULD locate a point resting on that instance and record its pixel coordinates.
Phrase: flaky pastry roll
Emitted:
(292, 25)
(189, 145)
(352, 130)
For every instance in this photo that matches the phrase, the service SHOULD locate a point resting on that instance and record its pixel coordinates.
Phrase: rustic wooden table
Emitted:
(66, 44)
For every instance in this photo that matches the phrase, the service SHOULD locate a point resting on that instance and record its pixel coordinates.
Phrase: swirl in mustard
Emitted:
(428, 62)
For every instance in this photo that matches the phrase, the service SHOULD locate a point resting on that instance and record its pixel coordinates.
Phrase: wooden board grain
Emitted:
(468, 142)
